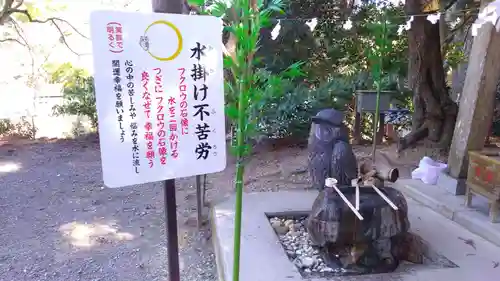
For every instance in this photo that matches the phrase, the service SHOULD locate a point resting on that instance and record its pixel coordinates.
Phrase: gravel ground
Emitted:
(60, 224)
(298, 246)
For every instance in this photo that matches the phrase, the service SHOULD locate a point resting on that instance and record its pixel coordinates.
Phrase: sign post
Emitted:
(174, 7)
(171, 229)
(160, 102)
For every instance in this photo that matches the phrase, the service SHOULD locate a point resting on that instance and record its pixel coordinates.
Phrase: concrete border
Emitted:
(453, 207)
(263, 258)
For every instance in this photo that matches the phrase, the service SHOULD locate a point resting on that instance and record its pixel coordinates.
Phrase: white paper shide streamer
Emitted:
(312, 24)
(276, 31)
(347, 25)
(432, 18)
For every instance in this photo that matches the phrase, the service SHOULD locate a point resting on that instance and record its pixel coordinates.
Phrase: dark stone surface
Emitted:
(330, 153)
(363, 246)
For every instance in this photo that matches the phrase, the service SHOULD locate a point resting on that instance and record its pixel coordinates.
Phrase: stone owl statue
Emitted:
(330, 153)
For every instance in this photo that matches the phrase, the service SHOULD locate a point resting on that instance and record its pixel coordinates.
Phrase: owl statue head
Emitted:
(328, 127)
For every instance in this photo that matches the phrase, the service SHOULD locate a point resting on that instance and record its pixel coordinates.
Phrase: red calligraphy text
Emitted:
(114, 31)
(161, 132)
(148, 126)
(173, 137)
(484, 174)
(183, 102)
(158, 80)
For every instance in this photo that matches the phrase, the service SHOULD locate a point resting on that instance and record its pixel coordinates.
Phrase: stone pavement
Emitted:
(439, 199)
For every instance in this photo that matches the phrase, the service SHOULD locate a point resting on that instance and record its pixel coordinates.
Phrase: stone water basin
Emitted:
(263, 257)
(310, 260)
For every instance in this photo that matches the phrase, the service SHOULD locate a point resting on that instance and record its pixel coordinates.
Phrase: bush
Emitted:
(19, 127)
(286, 111)
(78, 93)
(6, 126)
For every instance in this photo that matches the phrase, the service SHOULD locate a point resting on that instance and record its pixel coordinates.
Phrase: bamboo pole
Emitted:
(378, 81)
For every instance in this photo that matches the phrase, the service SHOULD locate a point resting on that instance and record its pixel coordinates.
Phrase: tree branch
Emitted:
(8, 5)
(20, 32)
(467, 21)
(10, 8)
(451, 3)
(51, 19)
(19, 4)
(12, 40)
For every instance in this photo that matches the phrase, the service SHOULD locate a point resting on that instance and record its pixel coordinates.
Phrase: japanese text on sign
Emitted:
(183, 103)
(148, 126)
(161, 113)
(118, 93)
(200, 89)
(133, 115)
(160, 117)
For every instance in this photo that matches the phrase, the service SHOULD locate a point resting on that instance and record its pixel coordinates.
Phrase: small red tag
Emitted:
(478, 171)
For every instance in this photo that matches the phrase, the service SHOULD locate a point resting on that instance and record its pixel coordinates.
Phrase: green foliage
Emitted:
(6, 126)
(288, 112)
(246, 89)
(454, 55)
(295, 42)
(334, 52)
(337, 49)
(78, 92)
(20, 128)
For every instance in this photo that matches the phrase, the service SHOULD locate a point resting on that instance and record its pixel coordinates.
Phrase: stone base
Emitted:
(450, 184)
(264, 259)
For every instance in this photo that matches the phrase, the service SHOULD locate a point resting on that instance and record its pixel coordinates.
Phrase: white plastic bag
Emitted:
(428, 170)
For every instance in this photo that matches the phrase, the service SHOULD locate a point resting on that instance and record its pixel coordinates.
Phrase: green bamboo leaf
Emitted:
(198, 3)
(275, 8)
(294, 70)
(240, 31)
(231, 112)
(228, 62)
(229, 92)
(229, 28)
(217, 9)
(380, 42)
(265, 21)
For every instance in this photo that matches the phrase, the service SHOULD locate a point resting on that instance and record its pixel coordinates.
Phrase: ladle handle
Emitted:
(355, 183)
(385, 197)
(331, 182)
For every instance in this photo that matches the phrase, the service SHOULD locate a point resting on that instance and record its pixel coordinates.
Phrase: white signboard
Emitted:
(160, 95)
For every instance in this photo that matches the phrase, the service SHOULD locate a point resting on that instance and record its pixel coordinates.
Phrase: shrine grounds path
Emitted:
(58, 223)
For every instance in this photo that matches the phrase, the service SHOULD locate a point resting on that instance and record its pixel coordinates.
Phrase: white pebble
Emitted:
(307, 262)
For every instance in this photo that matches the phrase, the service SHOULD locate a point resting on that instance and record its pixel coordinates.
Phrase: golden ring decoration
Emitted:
(179, 40)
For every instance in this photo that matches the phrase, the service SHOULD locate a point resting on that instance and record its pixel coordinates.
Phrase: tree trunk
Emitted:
(435, 113)
(463, 35)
